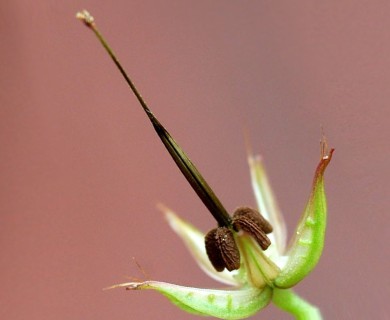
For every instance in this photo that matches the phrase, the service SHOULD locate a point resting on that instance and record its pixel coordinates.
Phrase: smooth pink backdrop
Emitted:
(82, 170)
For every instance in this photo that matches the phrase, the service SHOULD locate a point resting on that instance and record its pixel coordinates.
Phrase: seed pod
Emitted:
(252, 222)
(222, 250)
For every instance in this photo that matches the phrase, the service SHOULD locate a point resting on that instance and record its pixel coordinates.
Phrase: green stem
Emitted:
(289, 301)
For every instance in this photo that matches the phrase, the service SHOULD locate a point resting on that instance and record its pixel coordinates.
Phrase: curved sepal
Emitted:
(223, 304)
(308, 241)
(267, 205)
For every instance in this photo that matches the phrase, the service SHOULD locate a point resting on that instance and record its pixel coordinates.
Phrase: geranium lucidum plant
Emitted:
(247, 250)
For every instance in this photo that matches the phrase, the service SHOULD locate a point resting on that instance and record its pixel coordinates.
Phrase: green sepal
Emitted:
(308, 241)
(267, 205)
(223, 304)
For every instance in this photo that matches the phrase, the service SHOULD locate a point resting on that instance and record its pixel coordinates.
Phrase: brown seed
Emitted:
(252, 222)
(222, 250)
(255, 216)
(213, 251)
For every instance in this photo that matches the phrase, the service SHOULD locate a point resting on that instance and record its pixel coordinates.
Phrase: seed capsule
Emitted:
(222, 250)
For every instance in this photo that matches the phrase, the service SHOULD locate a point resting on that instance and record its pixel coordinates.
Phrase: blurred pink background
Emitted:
(82, 169)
